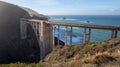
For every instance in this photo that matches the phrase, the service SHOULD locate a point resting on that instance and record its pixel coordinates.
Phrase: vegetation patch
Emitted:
(102, 54)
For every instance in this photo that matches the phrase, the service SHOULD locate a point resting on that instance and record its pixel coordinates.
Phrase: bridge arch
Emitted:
(43, 33)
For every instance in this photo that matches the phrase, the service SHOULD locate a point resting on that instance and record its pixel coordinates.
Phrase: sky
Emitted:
(71, 7)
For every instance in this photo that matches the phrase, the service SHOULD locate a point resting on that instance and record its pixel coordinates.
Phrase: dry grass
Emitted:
(98, 58)
(116, 54)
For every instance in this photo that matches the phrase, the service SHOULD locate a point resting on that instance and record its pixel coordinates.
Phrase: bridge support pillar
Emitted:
(114, 34)
(46, 37)
(87, 35)
(42, 42)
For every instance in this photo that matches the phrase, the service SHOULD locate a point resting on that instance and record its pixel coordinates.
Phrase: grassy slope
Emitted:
(104, 54)
(95, 54)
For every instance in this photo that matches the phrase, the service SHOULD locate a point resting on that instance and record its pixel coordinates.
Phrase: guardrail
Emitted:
(87, 28)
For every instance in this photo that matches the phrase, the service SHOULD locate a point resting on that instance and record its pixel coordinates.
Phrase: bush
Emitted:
(99, 59)
(20, 65)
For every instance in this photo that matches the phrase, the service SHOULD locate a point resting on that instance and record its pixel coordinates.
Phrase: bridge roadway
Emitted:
(104, 27)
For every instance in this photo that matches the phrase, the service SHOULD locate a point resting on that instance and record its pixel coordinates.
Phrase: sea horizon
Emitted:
(97, 35)
(81, 15)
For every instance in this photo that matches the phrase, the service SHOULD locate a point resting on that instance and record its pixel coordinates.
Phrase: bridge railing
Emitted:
(87, 30)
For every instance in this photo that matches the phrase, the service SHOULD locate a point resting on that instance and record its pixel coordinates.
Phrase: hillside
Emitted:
(34, 15)
(92, 54)
(13, 48)
(98, 54)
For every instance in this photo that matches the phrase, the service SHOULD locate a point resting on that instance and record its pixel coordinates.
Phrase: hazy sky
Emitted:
(71, 7)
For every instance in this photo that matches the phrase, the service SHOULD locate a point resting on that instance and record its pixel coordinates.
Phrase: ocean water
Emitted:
(96, 35)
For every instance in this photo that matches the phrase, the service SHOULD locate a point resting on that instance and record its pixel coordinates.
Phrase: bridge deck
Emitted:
(116, 28)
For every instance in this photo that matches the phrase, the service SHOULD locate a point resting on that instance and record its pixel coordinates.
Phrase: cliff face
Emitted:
(35, 15)
(12, 47)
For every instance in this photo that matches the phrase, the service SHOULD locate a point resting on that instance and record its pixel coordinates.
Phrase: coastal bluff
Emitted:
(12, 47)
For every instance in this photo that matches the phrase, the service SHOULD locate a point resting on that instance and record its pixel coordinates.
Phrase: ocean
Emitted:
(96, 35)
